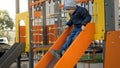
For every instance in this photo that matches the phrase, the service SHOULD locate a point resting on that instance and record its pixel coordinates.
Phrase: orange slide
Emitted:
(73, 53)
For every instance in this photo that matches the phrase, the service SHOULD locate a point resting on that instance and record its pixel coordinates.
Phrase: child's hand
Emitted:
(65, 26)
(83, 27)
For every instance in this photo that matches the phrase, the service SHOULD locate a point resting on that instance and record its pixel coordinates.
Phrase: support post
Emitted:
(44, 23)
(31, 61)
(57, 10)
(110, 16)
(17, 6)
(18, 59)
(116, 9)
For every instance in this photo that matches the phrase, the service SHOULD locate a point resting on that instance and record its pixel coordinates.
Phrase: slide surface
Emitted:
(73, 53)
(9, 57)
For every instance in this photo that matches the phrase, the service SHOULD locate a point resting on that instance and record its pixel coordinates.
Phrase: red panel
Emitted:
(37, 34)
(22, 34)
(52, 33)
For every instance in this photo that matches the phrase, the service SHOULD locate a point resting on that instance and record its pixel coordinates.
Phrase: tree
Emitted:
(5, 20)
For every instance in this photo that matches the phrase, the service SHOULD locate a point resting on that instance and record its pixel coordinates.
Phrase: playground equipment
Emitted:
(43, 32)
(13, 53)
(99, 19)
(75, 51)
(39, 32)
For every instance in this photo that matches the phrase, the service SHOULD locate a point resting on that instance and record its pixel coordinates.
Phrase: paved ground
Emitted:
(93, 65)
(24, 64)
(79, 65)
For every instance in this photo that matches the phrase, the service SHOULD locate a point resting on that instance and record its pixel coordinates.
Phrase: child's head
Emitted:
(70, 6)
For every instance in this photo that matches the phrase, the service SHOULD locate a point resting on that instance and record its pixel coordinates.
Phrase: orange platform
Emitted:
(112, 51)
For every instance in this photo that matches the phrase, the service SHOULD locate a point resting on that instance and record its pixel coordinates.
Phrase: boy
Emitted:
(79, 18)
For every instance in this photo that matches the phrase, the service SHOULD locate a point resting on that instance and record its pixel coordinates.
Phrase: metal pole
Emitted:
(57, 10)
(104, 49)
(44, 23)
(110, 16)
(17, 6)
(116, 9)
(18, 62)
(18, 59)
(60, 18)
(30, 28)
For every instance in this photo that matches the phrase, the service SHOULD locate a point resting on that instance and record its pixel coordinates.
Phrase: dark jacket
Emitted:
(80, 17)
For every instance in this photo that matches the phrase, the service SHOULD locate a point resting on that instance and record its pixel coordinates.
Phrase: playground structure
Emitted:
(43, 30)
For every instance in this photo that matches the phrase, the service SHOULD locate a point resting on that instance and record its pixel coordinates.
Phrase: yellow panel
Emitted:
(99, 36)
(17, 28)
(23, 16)
(99, 19)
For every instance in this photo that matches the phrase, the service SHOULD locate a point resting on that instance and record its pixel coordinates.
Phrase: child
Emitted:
(79, 18)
